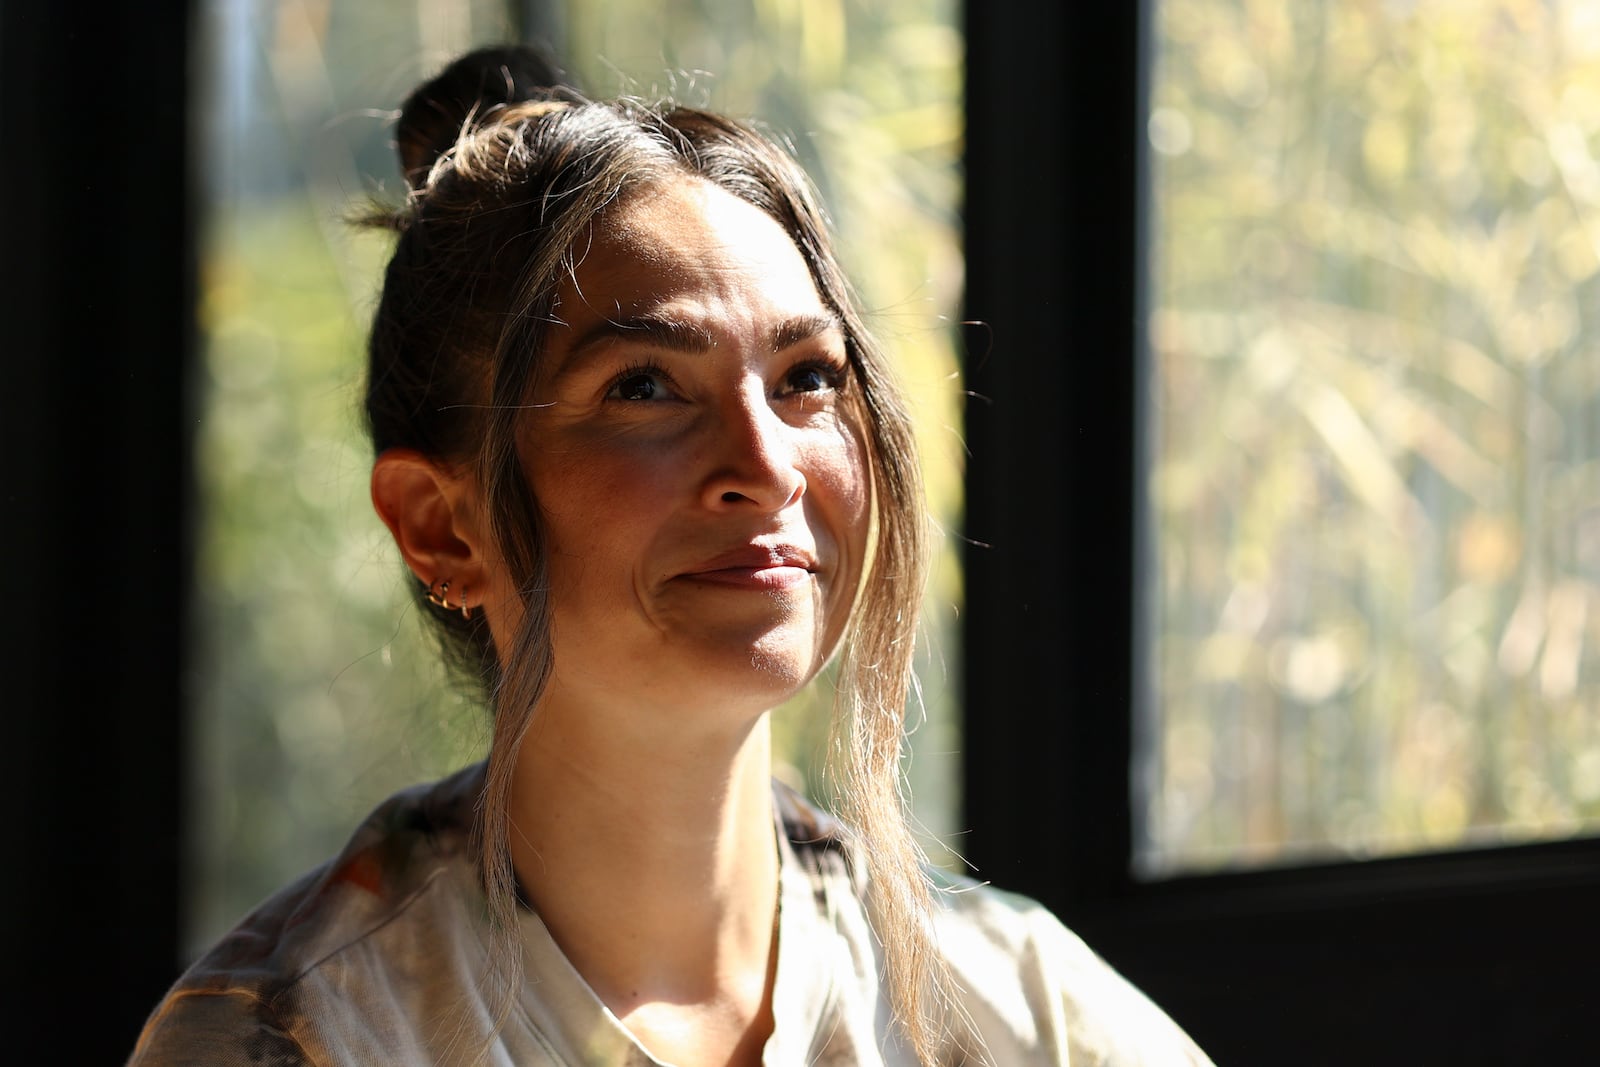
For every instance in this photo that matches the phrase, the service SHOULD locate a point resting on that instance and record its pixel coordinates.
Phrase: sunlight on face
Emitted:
(699, 468)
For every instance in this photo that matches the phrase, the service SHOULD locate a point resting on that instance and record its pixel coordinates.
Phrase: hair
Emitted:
(507, 169)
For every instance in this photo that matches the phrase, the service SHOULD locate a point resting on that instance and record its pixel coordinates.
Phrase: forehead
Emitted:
(693, 248)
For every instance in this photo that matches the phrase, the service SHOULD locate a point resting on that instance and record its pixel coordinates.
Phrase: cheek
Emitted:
(596, 516)
(843, 481)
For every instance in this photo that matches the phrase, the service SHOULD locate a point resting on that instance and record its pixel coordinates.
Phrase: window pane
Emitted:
(314, 693)
(1374, 477)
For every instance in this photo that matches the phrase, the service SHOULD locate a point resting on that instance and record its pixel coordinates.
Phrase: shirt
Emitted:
(378, 957)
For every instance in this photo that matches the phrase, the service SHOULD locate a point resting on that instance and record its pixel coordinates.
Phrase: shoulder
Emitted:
(218, 1029)
(330, 945)
(1035, 993)
(1038, 993)
(817, 839)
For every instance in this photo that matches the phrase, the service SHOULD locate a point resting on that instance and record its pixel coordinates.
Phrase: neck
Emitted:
(649, 855)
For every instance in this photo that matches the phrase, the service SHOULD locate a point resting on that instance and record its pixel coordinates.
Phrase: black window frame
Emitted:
(94, 106)
(1463, 957)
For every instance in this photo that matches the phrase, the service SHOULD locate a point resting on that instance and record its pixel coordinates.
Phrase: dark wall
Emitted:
(96, 473)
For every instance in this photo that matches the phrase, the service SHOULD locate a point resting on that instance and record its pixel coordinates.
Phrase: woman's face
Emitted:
(699, 468)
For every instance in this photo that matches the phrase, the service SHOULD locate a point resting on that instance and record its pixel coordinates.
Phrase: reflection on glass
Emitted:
(315, 693)
(1374, 428)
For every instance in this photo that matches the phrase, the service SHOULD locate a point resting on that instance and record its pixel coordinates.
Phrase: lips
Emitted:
(759, 567)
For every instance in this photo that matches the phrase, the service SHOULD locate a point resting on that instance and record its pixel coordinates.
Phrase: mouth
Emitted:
(772, 568)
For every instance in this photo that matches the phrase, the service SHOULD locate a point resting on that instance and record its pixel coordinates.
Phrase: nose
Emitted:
(755, 459)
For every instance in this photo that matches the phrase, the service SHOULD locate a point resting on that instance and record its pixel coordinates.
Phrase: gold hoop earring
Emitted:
(439, 597)
(438, 594)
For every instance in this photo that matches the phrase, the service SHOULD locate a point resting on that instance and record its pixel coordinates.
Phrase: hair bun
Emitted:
(432, 116)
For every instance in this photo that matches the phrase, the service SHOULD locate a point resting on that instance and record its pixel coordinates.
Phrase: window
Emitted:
(315, 693)
(1474, 956)
(1466, 956)
(1373, 465)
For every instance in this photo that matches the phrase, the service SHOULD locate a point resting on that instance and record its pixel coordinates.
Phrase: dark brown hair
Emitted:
(507, 170)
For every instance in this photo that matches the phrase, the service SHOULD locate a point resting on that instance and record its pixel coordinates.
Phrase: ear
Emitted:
(435, 515)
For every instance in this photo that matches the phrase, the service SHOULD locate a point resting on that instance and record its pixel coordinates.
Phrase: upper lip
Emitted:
(756, 557)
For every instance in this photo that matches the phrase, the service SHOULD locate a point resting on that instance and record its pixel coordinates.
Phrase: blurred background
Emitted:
(1374, 428)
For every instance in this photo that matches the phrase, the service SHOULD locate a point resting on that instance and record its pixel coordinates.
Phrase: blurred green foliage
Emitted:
(1375, 429)
(315, 692)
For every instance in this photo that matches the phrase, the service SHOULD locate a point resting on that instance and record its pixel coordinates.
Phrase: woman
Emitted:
(650, 473)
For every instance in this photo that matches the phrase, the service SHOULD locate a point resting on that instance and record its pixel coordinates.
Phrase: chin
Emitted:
(761, 673)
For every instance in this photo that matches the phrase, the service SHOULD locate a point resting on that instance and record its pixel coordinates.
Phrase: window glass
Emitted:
(1373, 429)
(315, 692)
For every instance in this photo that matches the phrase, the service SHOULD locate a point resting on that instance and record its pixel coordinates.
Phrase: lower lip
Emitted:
(768, 579)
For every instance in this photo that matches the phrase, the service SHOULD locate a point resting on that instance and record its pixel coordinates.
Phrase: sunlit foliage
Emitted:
(1375, 426)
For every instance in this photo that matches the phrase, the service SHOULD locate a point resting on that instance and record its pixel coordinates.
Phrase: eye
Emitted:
(639, 384)
(814, 377)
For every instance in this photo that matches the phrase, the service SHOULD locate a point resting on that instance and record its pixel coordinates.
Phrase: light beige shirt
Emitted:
(378, 958)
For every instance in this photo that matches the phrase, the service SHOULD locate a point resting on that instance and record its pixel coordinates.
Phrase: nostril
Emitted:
(731, 497)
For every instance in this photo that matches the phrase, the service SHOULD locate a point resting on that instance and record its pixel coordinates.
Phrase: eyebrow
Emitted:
(664, 331)
(681, 335)
(802, 328)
